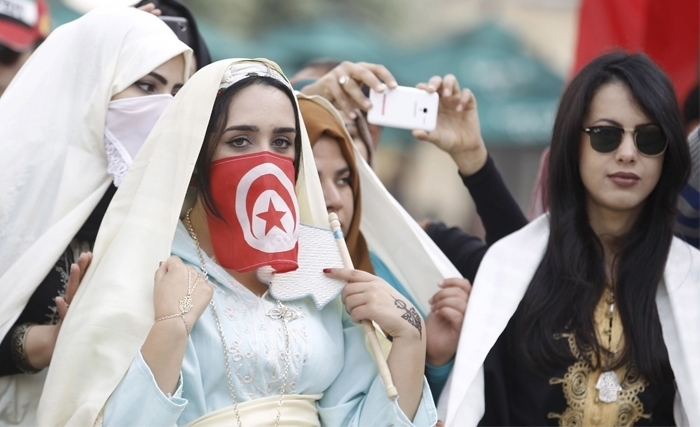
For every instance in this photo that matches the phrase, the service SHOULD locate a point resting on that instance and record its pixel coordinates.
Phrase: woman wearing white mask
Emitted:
(71, 123)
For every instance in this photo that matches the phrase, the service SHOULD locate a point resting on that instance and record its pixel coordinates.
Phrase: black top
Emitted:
(517, 396)
(499, 213)
(41, 307)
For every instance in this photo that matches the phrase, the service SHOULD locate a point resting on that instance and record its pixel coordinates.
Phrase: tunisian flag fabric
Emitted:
(667, 31)
(255, 196)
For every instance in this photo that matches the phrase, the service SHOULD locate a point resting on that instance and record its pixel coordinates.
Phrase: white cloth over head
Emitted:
(53, 167)
(112, 312)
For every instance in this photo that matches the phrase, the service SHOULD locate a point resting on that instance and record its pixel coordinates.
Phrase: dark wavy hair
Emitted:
(217, 125)
(571, 278)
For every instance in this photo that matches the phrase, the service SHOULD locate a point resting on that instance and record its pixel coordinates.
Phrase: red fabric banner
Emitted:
(667, 31)
(255, 194)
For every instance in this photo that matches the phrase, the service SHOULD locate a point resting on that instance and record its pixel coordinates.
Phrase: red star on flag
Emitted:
(272, 218)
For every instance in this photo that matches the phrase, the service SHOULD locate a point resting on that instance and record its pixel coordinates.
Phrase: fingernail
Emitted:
(353, 115)
(327, 270)
(382, 87)
(367, 104)
(460, 107)
(393, 83)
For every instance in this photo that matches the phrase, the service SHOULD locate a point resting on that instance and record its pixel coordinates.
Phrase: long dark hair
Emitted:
(571, 278)
(217, 124)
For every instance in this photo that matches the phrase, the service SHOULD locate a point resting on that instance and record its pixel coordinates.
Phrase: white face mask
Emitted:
(128, 124)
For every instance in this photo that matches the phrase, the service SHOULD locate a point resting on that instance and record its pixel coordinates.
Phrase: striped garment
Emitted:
(688, 220)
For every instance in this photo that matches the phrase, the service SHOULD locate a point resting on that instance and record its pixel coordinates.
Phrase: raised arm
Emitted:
(367, 297)
(180, 296)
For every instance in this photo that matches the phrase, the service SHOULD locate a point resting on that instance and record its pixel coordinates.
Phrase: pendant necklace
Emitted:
(280, 313)
(608, 383)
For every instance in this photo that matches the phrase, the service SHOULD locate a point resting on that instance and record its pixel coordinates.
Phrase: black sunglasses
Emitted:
(649, 140)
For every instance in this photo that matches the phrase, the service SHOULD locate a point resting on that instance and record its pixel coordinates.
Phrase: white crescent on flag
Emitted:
(271, 225)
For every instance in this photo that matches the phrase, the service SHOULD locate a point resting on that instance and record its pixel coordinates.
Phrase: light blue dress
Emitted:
(328, 355)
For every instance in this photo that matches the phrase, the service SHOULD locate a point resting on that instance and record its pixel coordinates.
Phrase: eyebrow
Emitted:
(342, 171)
(613, 122)
(158, 77)
(250, 128)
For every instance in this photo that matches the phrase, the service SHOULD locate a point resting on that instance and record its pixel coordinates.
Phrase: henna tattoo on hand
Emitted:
(410, 315)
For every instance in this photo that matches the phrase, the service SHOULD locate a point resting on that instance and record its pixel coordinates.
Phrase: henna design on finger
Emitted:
(410, 315)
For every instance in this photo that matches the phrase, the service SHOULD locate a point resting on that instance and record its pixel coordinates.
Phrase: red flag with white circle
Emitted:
(255, 195)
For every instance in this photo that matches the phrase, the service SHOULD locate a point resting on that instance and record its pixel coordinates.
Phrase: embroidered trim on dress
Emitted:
(585, 409)
(19, 355)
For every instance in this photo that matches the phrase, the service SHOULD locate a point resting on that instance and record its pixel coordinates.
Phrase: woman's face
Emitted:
(334, 173)
(260, 118)
(165, 79)
(619, 181)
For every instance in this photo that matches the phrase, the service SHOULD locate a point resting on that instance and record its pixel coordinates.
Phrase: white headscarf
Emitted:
(53, 166)
(112, 312)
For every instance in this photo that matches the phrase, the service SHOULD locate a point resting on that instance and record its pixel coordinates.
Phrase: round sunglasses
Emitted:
(650, 140)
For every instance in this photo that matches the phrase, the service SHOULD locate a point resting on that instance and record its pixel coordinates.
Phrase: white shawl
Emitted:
(500, 284)
(113, 309)
(53, 167)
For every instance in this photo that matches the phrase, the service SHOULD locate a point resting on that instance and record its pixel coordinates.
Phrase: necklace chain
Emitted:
(610, 314)
(282, 313)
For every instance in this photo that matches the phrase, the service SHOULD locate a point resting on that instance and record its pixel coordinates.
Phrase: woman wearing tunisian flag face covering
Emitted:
(209, 343)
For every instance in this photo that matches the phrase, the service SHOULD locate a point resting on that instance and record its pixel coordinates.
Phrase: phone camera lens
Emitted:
(425, 110)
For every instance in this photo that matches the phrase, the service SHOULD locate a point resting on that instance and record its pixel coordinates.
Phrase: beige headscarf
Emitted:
(322, 119)
(53, 167)
(112, 312)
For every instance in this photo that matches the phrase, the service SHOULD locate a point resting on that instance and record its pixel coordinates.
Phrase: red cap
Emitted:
(23, 23)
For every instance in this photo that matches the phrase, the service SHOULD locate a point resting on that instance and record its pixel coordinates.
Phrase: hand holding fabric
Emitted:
(343, 85)
(444, 323)
(41, 339)
(458, 132)
(178, 289)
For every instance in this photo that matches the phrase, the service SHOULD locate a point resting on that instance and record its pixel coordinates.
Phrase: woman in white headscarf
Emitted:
(171, 357)
(71, 123)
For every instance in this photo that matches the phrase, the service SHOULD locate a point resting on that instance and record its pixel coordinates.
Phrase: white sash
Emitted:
(298, 410)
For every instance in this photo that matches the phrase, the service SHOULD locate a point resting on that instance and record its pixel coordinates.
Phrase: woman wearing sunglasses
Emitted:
(589, 315)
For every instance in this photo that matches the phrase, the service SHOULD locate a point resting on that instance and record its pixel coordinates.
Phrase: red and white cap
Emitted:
(23, 23)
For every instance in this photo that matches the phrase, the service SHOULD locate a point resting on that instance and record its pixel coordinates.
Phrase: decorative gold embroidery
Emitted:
(584, 408)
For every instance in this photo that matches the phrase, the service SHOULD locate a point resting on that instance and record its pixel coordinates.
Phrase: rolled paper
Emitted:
(370, 332)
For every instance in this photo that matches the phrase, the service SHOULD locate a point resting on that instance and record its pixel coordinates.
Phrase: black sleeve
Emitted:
(40, 309)
(498, 210)
(499, 213)
(464, 250)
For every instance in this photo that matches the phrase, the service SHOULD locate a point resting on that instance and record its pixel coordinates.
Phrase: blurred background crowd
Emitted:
(515, 55)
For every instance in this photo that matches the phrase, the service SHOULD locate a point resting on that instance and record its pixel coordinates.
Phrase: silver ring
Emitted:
(343, 80)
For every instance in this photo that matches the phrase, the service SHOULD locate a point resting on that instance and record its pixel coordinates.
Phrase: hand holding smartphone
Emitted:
(404, 107)
(180, 28)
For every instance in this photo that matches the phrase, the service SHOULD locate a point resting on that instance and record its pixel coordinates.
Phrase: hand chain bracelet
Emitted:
(185, 304)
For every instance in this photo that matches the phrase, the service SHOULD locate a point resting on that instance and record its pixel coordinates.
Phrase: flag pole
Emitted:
(370, 332)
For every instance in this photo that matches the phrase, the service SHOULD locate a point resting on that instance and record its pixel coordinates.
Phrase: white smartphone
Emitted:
(404, 107)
